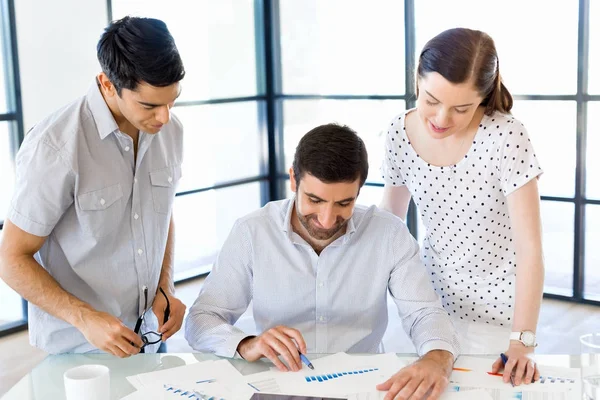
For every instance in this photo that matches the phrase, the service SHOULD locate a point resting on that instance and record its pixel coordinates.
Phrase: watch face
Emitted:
(528, 338)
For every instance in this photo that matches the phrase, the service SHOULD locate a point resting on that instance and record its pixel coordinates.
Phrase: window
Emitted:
(221, 109)
(12, 312)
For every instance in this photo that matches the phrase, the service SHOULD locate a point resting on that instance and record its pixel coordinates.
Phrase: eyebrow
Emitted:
(462, 105)
(158, 105)
(339, 201)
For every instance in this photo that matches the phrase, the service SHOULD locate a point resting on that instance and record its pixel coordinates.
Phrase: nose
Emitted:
(163, 114)
(327, 218)
(442, 118)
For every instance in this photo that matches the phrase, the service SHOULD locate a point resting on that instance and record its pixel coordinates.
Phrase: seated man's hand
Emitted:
(109, 334)
(274, 343)
(176, 314)
(427, 376)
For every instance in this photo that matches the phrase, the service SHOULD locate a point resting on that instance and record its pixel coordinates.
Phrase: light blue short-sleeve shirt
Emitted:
(105, 213)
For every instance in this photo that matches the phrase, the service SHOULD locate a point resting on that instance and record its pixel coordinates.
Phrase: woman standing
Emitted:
(472, 172)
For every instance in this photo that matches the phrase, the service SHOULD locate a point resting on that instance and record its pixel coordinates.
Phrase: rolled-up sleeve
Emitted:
(423, 317)
(223, 298)
(44, 188)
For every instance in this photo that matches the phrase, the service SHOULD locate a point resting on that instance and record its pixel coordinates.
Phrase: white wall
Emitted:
(57, 52)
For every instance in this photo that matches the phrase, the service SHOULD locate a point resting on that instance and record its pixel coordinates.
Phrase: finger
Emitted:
(409, 388)
(438, 390)
(530, 372)
(422, 390)
(521, 365)
(171, 331)
(508, 369)
(536, 377)
(399, 378)
(393, 391)
(169, 325)
(275, 343)
(117, 351)
(297, 336)
(291, 347)
(131, 336)
(125, 346)
(272, 355)
(497, 366)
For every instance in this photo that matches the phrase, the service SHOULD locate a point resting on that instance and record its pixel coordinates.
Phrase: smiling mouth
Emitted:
(437, 129)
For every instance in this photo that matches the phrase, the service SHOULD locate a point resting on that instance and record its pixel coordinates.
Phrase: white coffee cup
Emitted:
(87, 382)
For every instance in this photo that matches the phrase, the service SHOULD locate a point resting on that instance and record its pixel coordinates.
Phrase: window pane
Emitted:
(593, 144)
(552, 137)
(370, 195)
(12, 308)
(203, 222)
(369, 118)
(7, 177)
(3, 60)
(591, 288)
(594, 56)
(342, 47)
(558, 228)
(221, 143)
(216, 40)
(530, 63)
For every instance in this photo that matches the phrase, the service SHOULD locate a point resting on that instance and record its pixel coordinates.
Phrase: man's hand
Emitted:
(176, 313)
(274, 343)
(429, 375)
(520, 364)
(109, 334)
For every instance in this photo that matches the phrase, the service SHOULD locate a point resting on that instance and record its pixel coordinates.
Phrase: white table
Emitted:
(45, 381)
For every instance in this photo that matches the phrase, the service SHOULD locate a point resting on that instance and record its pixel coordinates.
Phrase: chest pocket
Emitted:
(164, 183)
(101, 210)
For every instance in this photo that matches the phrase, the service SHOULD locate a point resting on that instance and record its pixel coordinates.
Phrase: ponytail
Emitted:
(499, 98)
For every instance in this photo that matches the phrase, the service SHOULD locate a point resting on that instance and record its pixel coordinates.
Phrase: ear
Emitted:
(293, 184)
(106, 86)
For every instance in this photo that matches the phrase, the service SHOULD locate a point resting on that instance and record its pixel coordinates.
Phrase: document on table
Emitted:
(339, 374)
(555, 383)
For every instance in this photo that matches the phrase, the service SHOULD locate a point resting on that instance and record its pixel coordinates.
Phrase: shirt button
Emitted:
(170, 179)
(321, 284)
(140, 252)
(321, 318)
(135, 216)
(102, 201)
(134, 180)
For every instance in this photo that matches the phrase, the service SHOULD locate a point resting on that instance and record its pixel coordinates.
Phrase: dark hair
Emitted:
(461, 55)
(331, 153)
(134, 50)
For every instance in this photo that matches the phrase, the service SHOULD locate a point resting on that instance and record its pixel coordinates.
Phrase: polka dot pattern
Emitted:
(468, 248)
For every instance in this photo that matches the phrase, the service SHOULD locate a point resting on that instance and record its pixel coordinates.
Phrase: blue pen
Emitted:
(306, 360)
(505, 360)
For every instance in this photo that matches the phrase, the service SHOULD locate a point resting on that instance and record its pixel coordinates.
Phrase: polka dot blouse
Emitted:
(468, 248)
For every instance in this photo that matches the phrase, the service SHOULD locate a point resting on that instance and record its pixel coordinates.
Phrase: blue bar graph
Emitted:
(335, 375)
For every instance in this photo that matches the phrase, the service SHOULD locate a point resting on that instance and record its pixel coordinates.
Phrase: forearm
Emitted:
(166, 281)
(28, 278)
(529, 291)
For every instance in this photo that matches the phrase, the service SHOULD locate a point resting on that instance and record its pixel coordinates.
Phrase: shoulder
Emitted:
(58, 129)
(398, 121)
(271, 215)
(373, 217)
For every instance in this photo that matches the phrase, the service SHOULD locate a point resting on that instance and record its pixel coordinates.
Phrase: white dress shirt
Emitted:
(337, 300)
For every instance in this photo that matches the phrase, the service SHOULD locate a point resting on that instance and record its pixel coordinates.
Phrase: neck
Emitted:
(316, 244)
(123, 123)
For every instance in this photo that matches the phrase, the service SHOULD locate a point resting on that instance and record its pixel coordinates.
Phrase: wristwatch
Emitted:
(525, 337)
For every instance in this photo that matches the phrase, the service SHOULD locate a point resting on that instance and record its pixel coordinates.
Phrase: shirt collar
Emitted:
(287, 223)
(105, 122)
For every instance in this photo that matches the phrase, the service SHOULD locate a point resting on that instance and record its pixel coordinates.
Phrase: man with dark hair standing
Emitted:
(318, 268)
(88, 239)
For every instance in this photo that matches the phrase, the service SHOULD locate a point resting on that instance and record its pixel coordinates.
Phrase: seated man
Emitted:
(318, 268)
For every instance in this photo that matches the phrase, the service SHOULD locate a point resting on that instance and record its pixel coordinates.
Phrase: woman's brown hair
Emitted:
(461, 55)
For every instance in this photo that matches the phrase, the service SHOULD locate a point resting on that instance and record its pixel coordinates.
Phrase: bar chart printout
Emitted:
(337, 375)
